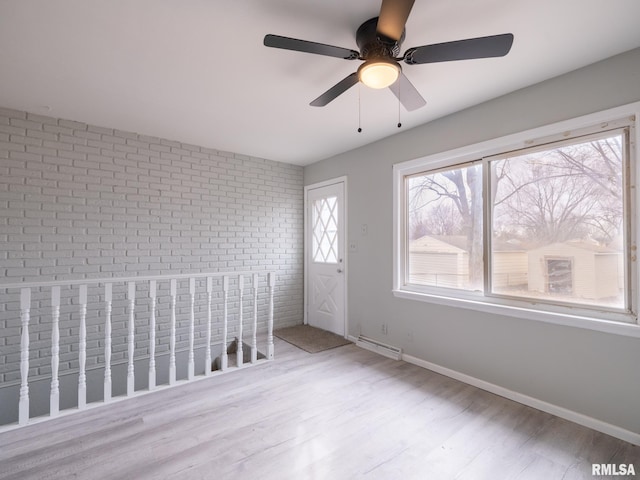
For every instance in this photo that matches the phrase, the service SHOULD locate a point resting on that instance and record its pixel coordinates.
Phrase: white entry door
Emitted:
(325, 248)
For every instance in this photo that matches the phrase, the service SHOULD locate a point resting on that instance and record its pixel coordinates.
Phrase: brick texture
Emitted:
(79, 201)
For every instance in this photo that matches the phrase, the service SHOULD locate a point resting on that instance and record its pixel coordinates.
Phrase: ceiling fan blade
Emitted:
(408, 95)
(393, 17)
(482, 47)
(335, 91)
(287, 43)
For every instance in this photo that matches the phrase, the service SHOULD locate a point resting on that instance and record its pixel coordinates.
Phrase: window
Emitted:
(543, 225)
(444, 229)
(324, 244)
(558, 276)
(558, 226)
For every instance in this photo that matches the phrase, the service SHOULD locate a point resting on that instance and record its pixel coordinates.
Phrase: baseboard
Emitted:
(556, 410)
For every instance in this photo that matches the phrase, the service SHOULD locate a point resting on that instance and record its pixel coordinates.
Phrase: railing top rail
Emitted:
(144, 278)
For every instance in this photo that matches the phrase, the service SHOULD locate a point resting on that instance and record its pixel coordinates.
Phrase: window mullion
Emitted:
(487, 203)
(630, 225)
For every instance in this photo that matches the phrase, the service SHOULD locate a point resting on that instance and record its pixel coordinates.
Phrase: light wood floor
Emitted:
(341, 414)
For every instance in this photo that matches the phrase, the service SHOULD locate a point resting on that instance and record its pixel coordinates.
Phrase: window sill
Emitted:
(576, 321)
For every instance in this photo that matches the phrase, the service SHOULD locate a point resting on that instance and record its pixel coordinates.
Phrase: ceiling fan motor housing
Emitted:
(372, 45)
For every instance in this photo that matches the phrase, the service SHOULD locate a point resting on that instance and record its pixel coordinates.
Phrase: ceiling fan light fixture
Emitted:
(379, 73)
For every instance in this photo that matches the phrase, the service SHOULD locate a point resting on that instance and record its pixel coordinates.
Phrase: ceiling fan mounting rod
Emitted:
(372, 44)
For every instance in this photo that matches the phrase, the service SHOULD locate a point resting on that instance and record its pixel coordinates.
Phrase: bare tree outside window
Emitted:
(573, 192)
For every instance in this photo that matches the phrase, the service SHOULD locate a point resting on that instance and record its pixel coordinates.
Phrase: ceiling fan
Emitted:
(379, 40)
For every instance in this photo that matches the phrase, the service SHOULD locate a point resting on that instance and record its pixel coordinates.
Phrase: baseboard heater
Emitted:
(378, 347)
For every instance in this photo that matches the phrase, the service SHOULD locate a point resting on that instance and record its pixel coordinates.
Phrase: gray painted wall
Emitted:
(595, 374)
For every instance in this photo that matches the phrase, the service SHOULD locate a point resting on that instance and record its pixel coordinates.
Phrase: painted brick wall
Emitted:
(80, 201)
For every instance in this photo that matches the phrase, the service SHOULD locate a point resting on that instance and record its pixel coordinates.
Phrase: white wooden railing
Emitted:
(260, 283)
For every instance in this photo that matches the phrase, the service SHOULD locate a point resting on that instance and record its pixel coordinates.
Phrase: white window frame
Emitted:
(606, 321)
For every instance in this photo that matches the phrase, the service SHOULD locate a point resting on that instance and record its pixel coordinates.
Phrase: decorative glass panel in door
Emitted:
(324, 243)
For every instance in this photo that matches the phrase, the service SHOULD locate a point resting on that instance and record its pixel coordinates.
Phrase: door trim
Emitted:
(326, 183)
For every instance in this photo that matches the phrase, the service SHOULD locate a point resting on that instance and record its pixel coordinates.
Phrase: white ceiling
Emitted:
(196, 70)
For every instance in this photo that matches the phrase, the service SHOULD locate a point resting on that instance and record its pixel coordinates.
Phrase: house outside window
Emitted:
(545, 224)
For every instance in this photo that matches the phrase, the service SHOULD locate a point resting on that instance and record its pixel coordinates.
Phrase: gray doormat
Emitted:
(310, 339)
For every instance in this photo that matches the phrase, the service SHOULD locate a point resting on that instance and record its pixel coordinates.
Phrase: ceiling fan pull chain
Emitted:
(359, 113)
(399, 92)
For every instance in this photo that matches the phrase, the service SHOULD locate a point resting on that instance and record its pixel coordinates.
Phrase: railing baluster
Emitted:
(54, 397)
(152, 336)
(130, 367)
(224, 360)
(254, 340)
(191, 363)
(25, 307)
(172, 334)
(108, 298)
(207, 357)
(82, 350)
(272, 282)
(239, 353)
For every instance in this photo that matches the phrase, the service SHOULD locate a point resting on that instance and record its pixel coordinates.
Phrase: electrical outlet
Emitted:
(353, 247)
(384, 329)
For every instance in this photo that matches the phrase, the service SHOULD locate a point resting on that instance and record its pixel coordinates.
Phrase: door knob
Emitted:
(339, 271)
